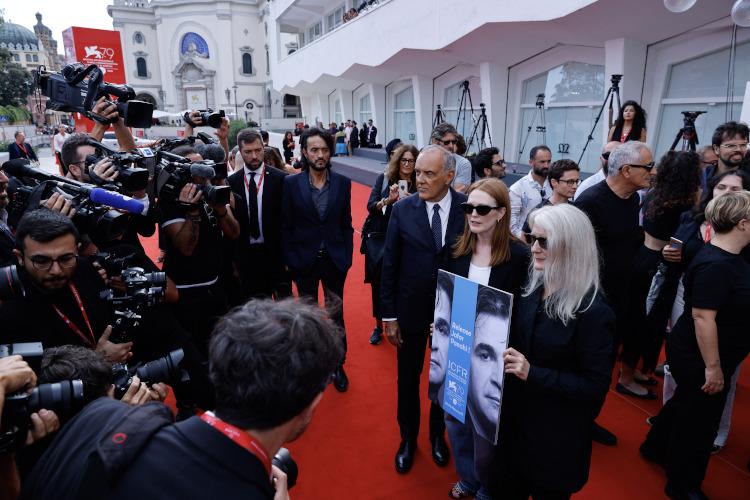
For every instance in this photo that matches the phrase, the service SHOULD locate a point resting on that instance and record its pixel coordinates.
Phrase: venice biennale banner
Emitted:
(470, 333)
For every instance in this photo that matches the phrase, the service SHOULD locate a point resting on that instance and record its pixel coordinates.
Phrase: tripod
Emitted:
(481, 121)
(612, 92)
(687, 133)
(465, 97)
(439, 117)
(542, 129)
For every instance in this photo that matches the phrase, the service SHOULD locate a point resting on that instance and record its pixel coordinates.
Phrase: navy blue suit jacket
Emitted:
(14, 152)
(303, 230)
(410, 262)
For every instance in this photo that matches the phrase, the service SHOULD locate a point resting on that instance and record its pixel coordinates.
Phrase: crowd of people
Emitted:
(641, 255)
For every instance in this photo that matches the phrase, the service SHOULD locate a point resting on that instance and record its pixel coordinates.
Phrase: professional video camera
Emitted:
(220, 167)
(687, 134)
(65, 398)
(77, 88)
(165, 369)
(141, 290)
(208, 117)
(93, 213)
(10, 283)
(172, 172)
(131, 176)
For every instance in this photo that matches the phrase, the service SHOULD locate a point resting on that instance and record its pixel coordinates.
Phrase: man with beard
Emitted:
(316, 230)
(729, 142)
(527, 192)
(62, 303)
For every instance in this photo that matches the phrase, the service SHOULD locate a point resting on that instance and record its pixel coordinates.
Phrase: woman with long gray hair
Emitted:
(560, 360)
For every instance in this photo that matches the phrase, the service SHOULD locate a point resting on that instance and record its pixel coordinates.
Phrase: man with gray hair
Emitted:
(600, 174)
(613, 207)
(422, 229)
(446, 136)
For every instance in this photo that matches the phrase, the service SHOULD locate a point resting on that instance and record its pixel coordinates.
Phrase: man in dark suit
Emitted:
(257, 196)
(317, 233)
(21, 148)
(364, 134)
(421, 231)
(7, 240)
(354, 137)
(113, 450)
(373, 133)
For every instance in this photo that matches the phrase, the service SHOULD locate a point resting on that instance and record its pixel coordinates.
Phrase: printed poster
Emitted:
(470, 333)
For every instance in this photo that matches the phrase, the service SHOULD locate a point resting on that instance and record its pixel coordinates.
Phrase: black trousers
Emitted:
(519, 489)
(257, 274)
(636, 342)
(411, 356)
(325, 272)
(198, 310)
(684, 431)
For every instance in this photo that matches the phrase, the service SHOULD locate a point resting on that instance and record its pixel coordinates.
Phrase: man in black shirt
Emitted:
(62, 303)
(613, 208)
(193, 232)
(260, 405)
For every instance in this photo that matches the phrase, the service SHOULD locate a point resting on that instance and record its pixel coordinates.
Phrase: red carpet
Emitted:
(347, 453)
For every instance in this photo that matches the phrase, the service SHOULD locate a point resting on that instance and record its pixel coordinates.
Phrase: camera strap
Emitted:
(89, 341)
(240, 437)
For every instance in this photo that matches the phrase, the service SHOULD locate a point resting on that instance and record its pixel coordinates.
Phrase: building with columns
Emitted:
(398, 59)
(195, 54)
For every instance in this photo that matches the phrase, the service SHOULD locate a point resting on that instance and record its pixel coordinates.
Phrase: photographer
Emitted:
(193, 233)
(222, 132)
(62, 303)
(107, 110)
(15, 374)
(261, 404)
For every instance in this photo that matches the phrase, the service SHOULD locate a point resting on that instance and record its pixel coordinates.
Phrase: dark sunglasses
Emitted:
(448, 142)
(605, 155)
(647, 166)
(531, 239)
(468, 208)
(499, 163)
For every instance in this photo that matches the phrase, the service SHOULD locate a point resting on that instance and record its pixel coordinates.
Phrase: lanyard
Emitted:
(23, 148)
(89, 341)
(260, 182)
(241, 438)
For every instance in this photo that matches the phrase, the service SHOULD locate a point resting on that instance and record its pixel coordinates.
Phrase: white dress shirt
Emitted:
(525, 195)
(589, 181)
(445, 208)
(259, 174)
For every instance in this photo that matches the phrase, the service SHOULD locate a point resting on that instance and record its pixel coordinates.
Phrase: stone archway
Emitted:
(194, 83)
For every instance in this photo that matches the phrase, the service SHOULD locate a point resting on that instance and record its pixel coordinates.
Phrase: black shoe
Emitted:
(624, 390)
(377, 336)
(441, 455)
(340, 380)
(602, 435)
(405, 456)
(677, 493)
(715, 448)
(650, 455)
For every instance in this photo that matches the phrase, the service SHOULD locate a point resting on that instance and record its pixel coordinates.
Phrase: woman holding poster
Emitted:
(489, 254)
(558, 368)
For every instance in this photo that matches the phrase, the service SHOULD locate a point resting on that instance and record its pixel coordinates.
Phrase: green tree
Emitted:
(15, 81)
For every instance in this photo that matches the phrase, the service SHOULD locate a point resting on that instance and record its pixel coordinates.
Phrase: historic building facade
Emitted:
(192, 54)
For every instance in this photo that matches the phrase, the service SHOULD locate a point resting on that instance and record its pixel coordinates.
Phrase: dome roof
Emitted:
(14, 36)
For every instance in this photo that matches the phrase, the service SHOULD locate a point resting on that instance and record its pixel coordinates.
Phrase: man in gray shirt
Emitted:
(446, 136)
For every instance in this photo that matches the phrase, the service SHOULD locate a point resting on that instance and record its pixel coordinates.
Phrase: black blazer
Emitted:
(372, 134)
(302, 229)
(509, 276)
(14, 152)
(273, 186)
(410, 262)
(546, 421)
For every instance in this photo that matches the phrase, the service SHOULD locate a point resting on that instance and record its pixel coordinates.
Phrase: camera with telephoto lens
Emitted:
(11, 286)
(65, 398)
(208, 117)
(165, 369)
(688, 120)
(142, 290)
(77, 88)
(284, 461)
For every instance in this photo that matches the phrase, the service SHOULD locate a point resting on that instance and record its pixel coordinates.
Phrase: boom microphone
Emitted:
(116, 200)
(21, 168)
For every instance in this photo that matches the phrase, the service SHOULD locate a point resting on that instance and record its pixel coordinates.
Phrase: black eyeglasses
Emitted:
(570, 182)
(532, 238)
(605, 155)
(499, 163)
(647, 166)
(468, 208)
(44, 263)
(448, 142)
(407, 161)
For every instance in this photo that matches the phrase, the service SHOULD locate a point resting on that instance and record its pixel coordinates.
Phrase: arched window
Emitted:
(141, 69)
(247, 63)
(404, 117)
(365, 111)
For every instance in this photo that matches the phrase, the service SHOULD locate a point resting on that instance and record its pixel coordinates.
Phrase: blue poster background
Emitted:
(458, 368)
